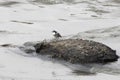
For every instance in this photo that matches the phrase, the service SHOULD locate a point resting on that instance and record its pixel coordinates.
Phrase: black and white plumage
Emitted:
(56, 34)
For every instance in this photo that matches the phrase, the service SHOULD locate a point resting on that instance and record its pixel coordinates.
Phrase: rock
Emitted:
(77, 51)
(5, 45)
(8, 45)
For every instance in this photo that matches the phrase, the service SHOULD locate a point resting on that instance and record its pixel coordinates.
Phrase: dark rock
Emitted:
(77, 51)
(5, 45)
(22, 22)
(8, 45)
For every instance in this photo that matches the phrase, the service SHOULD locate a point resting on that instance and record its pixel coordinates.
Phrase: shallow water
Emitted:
(22, 22)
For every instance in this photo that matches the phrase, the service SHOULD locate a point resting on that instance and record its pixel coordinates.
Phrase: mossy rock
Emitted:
(77, 51)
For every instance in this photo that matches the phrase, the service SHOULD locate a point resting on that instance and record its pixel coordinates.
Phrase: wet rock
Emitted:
(22, 22)
(8, 45)
(5, 45)
(77, 51)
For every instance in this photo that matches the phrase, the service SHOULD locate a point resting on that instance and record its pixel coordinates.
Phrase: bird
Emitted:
(56, 34)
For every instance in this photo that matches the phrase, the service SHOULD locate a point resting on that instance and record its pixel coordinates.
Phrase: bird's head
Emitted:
(54, 31)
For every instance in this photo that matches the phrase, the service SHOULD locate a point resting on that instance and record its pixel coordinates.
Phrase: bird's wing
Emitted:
(59, 35)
